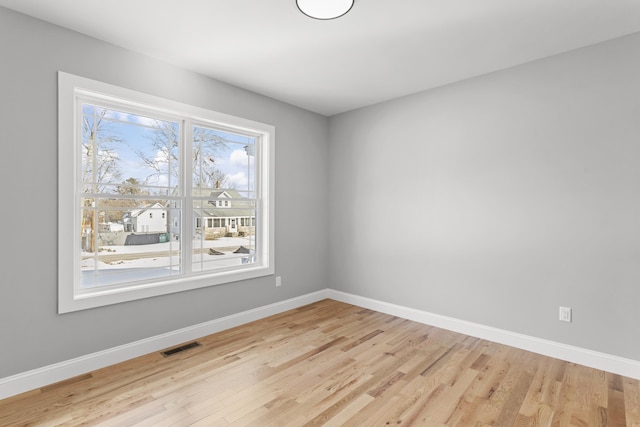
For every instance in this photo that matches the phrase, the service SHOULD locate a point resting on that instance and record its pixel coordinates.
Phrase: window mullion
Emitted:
(186, 241)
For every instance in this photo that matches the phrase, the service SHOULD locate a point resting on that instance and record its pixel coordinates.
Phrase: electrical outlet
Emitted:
(565, 314)
(278, 280)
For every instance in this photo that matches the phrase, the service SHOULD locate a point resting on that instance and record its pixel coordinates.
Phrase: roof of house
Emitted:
(239, 206)
(137, 211)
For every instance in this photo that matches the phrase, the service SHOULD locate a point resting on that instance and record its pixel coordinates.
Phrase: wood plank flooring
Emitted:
(334, 364)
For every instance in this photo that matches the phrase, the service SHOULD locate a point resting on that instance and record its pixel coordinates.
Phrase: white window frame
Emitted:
(70, 89)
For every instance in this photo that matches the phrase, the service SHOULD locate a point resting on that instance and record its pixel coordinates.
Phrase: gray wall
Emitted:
(497, 199)
(32, 334)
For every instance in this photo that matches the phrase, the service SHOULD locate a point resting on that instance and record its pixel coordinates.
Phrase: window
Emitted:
(124, 156)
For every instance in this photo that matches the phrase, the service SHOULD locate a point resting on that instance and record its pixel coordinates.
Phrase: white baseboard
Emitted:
(40, 377)
(16, 384)
(606, 362)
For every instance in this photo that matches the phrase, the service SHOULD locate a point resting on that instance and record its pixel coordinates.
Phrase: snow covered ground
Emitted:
(117, 264)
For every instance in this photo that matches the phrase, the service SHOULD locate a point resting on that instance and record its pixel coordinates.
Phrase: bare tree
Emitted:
(206, 146)
(100, 167)
(99, 155)
(162, 159)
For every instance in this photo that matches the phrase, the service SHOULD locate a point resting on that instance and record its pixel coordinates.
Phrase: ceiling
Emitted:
(380, 50)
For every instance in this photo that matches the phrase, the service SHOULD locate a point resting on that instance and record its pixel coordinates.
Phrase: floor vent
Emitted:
(173, 351)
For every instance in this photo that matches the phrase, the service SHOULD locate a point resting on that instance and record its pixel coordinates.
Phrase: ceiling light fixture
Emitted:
(324, 9)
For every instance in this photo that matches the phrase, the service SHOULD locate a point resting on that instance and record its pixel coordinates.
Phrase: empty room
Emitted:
(320, 213)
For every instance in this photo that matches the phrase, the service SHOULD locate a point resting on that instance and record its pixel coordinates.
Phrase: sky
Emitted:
(129, 139)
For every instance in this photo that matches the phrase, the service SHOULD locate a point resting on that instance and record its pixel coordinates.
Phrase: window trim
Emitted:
(70, 88)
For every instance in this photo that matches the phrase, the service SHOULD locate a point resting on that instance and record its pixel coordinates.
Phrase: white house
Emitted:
(226, 212)
(146, 219)
(221, 212)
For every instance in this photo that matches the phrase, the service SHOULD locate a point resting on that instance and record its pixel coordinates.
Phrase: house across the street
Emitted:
(226, 213)
(146, 219)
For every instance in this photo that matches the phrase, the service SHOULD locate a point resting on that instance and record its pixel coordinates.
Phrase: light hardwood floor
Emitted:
(332, 364)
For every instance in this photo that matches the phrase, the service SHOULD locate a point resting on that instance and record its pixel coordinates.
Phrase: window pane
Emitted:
(222, 160)
(128, 240)
(130, 233)
(223, 181)
(227, 239)
(127, 153)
